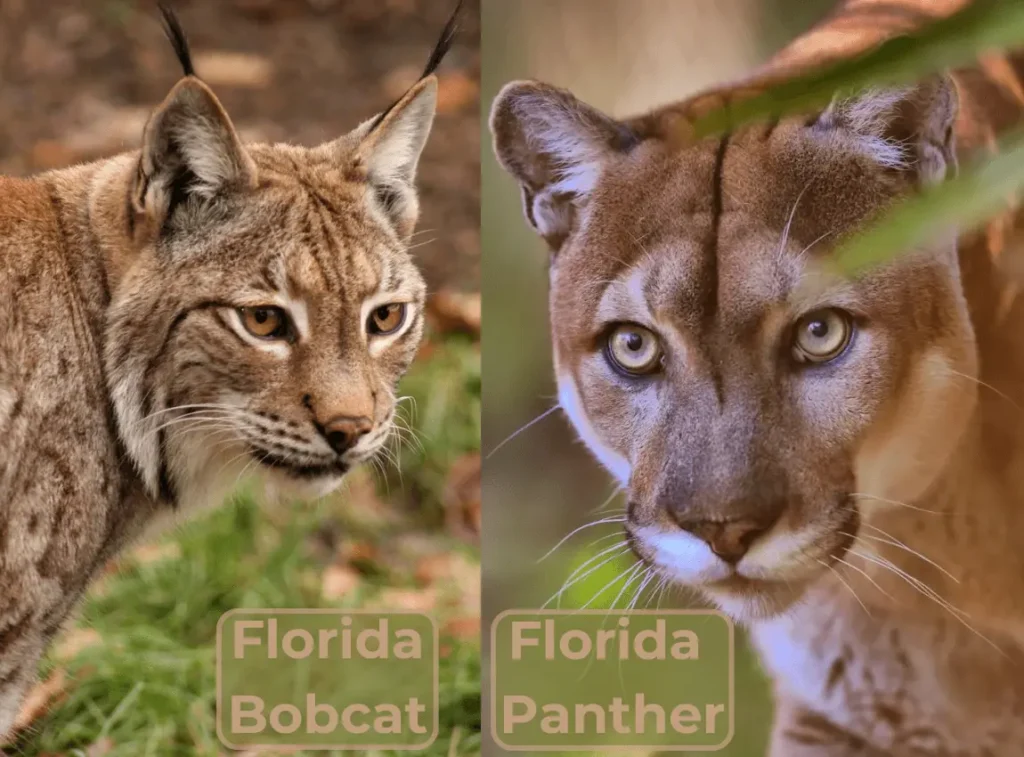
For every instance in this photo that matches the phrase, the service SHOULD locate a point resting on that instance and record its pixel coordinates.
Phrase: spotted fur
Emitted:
(130, 385)
(884, 586)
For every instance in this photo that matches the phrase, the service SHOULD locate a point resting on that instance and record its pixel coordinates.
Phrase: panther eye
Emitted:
(386, 319)
(265, 322)
(822, 335)
(634, 349)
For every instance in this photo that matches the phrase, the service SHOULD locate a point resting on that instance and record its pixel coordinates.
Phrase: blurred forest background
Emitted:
(623, 57)
(135, 674)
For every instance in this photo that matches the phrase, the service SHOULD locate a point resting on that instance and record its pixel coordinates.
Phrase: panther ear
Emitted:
(556, 147)
(191, 155)
(907, 129)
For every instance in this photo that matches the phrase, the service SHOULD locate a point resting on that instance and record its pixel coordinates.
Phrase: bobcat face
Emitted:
(264, 303)
(750, 402)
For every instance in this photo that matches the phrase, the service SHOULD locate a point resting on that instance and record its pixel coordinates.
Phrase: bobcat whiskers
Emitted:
(212, 447)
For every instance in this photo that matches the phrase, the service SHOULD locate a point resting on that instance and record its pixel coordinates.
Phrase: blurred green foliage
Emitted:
(977, 194)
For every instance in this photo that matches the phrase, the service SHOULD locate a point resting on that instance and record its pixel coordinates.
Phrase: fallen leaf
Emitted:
(74, 641)
(361, 550)
(359, 554)
(450, 567)
(39, 700)
(100, 748)
(412, 600)
(151, 553)
(455, 577)
(339, 581)
(431, 568)
(455, 311)
(464, 628)
(222, 68)
(455, 91)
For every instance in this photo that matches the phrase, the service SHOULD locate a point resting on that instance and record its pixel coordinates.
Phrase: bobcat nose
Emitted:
(729, 539)
(344, 431)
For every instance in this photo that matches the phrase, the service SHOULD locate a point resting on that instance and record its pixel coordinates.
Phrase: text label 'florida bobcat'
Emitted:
(327, 679)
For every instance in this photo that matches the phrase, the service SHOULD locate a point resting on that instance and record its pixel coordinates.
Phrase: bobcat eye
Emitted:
(386, 319)
(265, 323)
(822, 335)
(634, 349)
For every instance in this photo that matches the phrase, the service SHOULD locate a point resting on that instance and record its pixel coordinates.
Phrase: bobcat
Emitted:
(175, 316)
(837, 463)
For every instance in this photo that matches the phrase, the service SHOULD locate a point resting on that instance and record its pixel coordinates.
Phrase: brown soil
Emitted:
(78, 77)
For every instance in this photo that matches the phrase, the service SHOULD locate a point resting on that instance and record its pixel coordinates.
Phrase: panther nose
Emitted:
(729, 539)
(344, 431)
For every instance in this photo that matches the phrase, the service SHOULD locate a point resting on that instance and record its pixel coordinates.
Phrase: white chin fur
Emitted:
(207, 473)
(278, 486)
(756, 607)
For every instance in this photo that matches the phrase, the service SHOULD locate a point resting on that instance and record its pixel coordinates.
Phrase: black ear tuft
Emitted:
(444, 44)
(174, 32)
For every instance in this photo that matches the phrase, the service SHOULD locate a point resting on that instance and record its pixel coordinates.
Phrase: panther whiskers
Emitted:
(591, 524)
(844, 582)
(526, 426)
(586, 569)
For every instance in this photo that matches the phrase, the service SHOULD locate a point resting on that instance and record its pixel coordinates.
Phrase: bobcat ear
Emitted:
(908, 129)
(390, 149)
(190, 155)
(556, 147)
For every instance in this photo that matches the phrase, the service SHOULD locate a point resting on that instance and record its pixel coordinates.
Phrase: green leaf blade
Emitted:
(964, 202)
(982, 27)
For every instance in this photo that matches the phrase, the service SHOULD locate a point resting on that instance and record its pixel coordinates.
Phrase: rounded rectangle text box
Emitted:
(327, 679)
(605, 680)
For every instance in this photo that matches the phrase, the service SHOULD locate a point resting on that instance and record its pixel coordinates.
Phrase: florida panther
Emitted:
(836, 462)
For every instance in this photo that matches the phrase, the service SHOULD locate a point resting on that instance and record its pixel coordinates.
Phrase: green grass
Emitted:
(147, 688)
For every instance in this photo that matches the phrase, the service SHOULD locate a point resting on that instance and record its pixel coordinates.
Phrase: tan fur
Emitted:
(128, 385)
(884, 586)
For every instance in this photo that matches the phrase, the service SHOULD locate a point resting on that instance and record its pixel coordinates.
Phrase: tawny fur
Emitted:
(129, 385)
(906, 450)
